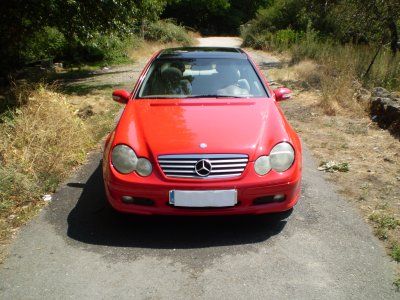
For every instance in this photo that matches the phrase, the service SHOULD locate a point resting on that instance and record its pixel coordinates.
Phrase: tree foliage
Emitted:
(357, 21)
(77, 20)
(32, 29)
(368, 21)
(213, 16)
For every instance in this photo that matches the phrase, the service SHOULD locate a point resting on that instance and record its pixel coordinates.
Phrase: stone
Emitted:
(363, 96)
(380, 92)
(85, 112)
(385, 109)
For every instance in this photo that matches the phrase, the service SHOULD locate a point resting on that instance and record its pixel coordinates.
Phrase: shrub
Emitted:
(49, 43)
(165, 31)
(107, 48)
(16, 95)
(342, 64)
(396, 252)
(46, 43)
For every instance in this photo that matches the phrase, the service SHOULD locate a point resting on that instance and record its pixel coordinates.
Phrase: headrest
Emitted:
(179, 65)
(171, 74)
(229, 72)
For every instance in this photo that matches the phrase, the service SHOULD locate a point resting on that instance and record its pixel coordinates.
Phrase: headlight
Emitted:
(262, 165)
(281, 157)
(124, 159)
(144, 167)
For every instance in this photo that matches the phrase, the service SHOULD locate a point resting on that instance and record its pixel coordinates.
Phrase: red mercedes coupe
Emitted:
(202, 133)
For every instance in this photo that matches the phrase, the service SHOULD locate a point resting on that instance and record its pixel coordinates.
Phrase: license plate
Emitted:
(215, 198)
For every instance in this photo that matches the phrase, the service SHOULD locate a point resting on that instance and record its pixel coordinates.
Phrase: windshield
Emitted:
(201, 77)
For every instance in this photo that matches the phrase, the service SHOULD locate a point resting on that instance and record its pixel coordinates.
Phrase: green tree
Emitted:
(213, 16)
(77, 20)
(149, 11)
(369, 20)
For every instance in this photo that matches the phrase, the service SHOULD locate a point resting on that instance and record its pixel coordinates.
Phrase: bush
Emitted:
(343, 63)
(106, 48)
(51, 44)
(396, 252)
(280, 40)
(46, 43)
(165, 31)
(114, 47)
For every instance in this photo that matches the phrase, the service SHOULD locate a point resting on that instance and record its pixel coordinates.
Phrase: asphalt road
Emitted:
(79, 248)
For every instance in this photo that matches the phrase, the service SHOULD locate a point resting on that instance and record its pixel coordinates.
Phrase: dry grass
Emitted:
(341, 67)
(146, 48)
(306, 71)
(47, 133)
(338, 89)
(41, 142)
(337, 78)
(373, 182)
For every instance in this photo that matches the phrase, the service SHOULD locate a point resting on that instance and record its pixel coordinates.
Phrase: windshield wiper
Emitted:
(215, 96)
(160, 97)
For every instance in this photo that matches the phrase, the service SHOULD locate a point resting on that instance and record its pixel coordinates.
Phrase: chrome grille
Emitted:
(183, 166)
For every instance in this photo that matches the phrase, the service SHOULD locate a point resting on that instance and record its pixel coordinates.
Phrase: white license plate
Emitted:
(216, 198)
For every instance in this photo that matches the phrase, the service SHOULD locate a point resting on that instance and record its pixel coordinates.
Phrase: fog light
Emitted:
(127, 199)
(137, 200)
(279, 198)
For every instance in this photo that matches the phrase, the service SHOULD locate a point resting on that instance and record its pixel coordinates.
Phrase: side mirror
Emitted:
(121, 96)
(282, 93)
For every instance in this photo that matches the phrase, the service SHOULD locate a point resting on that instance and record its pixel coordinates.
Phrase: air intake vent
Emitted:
(203, 166)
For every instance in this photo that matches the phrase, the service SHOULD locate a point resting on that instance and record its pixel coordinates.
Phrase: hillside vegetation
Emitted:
(354, 42)
(336, 54)
(77, 31)
(47, 129)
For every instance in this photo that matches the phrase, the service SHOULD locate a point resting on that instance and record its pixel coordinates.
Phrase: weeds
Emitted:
(15, 96)
(41, 142)
(165, 31)
(341, 65)
(396, 252)
(396, 284)
(332, 167)
(384, 221)
(349, 134)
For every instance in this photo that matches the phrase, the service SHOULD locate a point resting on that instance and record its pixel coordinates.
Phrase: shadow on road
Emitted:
(93, 221)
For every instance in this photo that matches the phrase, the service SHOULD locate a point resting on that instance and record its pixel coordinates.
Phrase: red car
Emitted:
(202, 133)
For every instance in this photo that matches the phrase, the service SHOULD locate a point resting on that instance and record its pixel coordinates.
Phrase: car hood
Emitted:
(179, 126)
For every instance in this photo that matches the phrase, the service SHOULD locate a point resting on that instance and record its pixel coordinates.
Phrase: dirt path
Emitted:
(78, 248)
(220, 42)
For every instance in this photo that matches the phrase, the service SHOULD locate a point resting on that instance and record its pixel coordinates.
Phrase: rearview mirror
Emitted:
(282, 93)
(121, 96)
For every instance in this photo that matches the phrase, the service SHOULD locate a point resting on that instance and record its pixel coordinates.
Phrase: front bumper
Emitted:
(156, 189)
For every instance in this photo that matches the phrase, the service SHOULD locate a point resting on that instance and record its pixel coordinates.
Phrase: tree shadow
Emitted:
(84, 82)
(73, 75)
(82, 89)
(93, 221)
(270, 65)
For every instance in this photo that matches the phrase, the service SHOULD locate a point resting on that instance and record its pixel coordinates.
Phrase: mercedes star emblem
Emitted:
(203, 145)
(203, 167)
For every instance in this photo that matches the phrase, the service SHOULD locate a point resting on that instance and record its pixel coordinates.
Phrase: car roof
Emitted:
(202, 52)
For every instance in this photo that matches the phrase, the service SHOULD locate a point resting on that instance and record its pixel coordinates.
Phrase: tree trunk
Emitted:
(394, 36)
(143, 27)
(372, 61)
